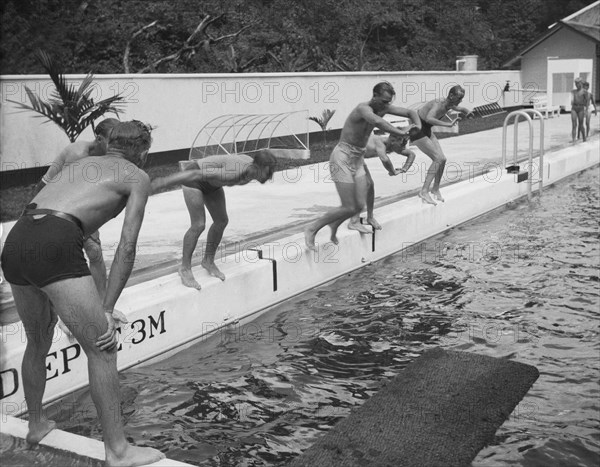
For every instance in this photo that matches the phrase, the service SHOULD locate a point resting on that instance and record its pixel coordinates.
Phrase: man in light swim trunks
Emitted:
(381, 146)
(430, 115)
(347, 158)
(43, 261)
(203, 181)
(73, 153)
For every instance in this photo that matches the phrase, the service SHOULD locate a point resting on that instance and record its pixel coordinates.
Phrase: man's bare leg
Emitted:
(334, 217)
(78, 304)
(355, 198)
(215, 203)
(574, 120)
(354, 223)
(38, 320)
(441, 159)
(194, 201)
(430, 149)
(93, 250)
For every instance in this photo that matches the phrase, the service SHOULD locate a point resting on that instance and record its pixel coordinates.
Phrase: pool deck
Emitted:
(263, 213)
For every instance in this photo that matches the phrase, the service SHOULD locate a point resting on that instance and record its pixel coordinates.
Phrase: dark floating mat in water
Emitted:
(440, 411)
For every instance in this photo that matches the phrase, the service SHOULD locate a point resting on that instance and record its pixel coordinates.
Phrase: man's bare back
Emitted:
(97, 189)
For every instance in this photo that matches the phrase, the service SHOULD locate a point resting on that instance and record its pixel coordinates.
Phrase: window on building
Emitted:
(562, 82)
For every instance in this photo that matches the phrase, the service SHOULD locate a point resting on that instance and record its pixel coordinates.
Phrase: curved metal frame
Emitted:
(232, 122)
(517, 114)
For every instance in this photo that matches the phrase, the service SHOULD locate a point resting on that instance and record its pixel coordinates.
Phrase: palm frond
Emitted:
(323, 120)
(70, 107)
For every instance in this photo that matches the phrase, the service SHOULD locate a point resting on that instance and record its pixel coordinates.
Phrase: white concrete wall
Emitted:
(164, 316)
(180, 105)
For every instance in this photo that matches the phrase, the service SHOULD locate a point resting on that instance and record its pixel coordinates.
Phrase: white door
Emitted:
(561, 79)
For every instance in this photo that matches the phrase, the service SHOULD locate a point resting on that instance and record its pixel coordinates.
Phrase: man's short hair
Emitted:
(130, 138)
(382, 87)
(265, 158)
(103, 128)
(456, 90)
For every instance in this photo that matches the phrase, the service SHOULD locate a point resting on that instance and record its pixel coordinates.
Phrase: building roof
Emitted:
(585, 22)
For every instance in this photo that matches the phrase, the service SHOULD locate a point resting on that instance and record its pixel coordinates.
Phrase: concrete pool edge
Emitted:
(64, 441)
(405, 223)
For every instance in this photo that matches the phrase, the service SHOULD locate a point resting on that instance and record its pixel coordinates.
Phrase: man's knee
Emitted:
(197, 228)
(221, 222)
(93, 251)
(439, 158)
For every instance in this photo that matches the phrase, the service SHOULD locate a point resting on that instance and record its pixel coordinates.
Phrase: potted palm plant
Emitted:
(70, 107)
(323, 121)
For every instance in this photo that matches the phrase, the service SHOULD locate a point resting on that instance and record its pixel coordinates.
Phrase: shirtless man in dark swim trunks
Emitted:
(203, 181)
(430, 115)
(347, 158)
(73, 153)
(44, 263)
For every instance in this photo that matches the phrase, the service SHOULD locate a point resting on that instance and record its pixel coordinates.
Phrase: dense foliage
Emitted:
(202, 36)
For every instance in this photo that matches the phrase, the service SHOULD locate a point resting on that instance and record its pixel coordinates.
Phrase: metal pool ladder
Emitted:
(515, 168)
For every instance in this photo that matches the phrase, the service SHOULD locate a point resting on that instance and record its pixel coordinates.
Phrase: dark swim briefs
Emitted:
(205, 187)
(45, 250)
(416, 133)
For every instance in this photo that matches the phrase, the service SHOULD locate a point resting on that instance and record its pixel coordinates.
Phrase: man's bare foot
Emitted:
(133, 456)
(212, 269)
(187, 278)
(38, 430)
(355, 225)
(437, 195)
(426, 198)
(309, 240)
(333, 237)
(371, 221)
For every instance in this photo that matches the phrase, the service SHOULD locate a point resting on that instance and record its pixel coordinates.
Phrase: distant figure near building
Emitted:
(203, 181)
(580, 100)
(381, 146)
(590, 108)
(430, 115)
(347, 158)
(57, 220)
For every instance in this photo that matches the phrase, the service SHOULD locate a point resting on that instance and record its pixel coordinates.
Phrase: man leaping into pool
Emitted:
(203, 181)
(346, 162)
(430, 115)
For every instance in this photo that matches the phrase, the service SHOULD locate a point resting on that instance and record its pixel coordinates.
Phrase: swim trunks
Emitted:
(346, 163)
(205, 187)
(416, 133)
(44, 250)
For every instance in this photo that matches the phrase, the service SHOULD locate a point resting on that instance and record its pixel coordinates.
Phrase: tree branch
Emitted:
(128, 46)
(188, 47)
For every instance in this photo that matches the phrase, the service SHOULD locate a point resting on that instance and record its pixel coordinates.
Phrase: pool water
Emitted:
(521, 281)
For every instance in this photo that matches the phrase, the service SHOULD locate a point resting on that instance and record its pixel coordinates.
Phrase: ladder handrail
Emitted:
(516, 115)
(534, 112)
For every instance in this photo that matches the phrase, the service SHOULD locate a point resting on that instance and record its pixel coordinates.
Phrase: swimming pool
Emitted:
(519, 281)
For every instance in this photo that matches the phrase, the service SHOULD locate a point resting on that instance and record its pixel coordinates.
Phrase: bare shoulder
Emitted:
(75, 151)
